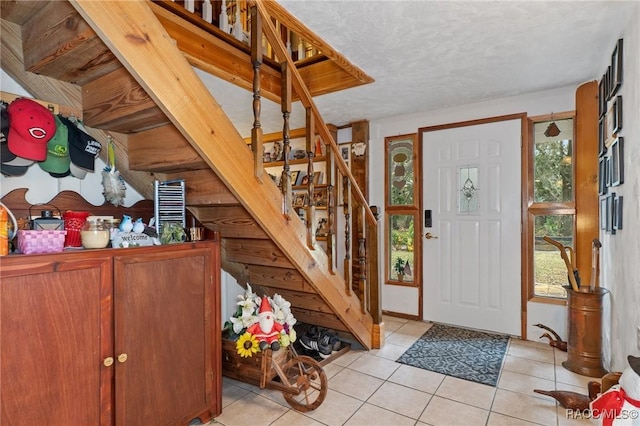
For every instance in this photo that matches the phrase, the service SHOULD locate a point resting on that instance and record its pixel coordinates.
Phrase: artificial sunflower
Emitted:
(247, 345)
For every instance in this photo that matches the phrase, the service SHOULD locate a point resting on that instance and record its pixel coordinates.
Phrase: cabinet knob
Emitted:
(108, 361)
(122, 358)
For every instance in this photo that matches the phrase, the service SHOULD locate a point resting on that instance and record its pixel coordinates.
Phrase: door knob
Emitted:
(108, 361)
(429, 236)
(122, 358)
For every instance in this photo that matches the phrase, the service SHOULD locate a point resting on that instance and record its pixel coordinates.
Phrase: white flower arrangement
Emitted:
(247, 314)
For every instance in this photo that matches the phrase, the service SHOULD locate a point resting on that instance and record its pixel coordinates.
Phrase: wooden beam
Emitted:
(360, 164)
(319, 318)
(280, 278)
(586, 176)
(204, 188)
(255, 252)
(217, 57)
(144, 47)
(221, 55)
(326, 77)
(20, 11)
(230, 221)
(277, 136)
(118, 103)
(59, 44)
(162, 149)
(310, 301)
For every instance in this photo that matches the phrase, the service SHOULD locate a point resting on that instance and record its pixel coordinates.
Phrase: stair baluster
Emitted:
(311, 208)
(346, 200)
(331, 202)
(286, 142)
(256, 62)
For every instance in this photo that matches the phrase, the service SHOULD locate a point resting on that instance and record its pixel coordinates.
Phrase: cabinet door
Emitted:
(53, 340)
(163, 304)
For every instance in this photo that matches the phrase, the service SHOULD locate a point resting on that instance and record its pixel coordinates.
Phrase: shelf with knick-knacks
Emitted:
(272, 151)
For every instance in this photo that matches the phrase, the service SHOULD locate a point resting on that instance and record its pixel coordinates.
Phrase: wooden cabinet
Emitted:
(114, 336)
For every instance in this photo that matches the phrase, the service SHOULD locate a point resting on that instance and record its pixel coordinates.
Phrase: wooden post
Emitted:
(359, 163)
(362, 261)
(375, 295)
(256, 61)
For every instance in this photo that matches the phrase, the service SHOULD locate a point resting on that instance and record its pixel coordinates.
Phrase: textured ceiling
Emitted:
(426, 55)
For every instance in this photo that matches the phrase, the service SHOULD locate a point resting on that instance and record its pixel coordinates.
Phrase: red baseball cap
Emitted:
(31, 126)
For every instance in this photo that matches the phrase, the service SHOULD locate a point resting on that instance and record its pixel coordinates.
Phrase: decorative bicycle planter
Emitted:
(300, 378)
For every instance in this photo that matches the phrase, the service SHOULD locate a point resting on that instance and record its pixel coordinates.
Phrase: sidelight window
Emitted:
(551, 206)
(402, 210)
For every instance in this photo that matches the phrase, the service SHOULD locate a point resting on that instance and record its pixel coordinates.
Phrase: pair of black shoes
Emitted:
(320, 340)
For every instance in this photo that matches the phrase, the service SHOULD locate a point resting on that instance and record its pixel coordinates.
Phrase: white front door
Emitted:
(471, 184)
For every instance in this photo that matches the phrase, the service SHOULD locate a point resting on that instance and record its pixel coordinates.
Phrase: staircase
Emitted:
(127, 67)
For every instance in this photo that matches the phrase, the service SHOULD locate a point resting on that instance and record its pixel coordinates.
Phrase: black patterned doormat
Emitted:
(466, 354)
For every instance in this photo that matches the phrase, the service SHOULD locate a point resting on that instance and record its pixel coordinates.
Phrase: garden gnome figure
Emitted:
(266, 330)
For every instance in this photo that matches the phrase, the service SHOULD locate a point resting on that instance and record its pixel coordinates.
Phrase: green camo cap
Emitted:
(58, 158)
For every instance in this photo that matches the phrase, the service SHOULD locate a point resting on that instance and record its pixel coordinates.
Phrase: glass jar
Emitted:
(95, 234)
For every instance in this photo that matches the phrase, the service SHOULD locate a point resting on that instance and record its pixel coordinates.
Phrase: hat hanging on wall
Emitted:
(31, 126)
(57, 161)
(9, 158)
(83, 148)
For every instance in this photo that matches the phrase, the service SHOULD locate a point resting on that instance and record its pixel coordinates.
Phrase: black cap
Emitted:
(8, 170)
(83, 148)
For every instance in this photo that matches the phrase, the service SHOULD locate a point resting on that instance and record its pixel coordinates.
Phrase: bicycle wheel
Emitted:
(308, 378)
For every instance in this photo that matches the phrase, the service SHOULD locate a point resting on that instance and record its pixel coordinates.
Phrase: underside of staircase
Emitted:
(127, 69)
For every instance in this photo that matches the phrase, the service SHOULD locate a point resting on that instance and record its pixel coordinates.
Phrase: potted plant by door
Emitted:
(399, 268)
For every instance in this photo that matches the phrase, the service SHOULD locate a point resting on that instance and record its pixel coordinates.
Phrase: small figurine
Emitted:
(138, 226)
(126, 225)
(266, 330)
(277, 152)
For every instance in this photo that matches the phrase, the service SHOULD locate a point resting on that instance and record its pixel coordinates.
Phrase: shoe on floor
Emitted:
(331, 340)
(310, 343)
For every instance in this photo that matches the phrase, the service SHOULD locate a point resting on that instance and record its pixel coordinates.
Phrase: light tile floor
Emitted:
(369, 388)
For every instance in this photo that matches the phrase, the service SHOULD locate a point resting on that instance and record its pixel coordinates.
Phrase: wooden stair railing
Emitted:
(366, 221)
(142, 46)
(190, 164)
(326, 71)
